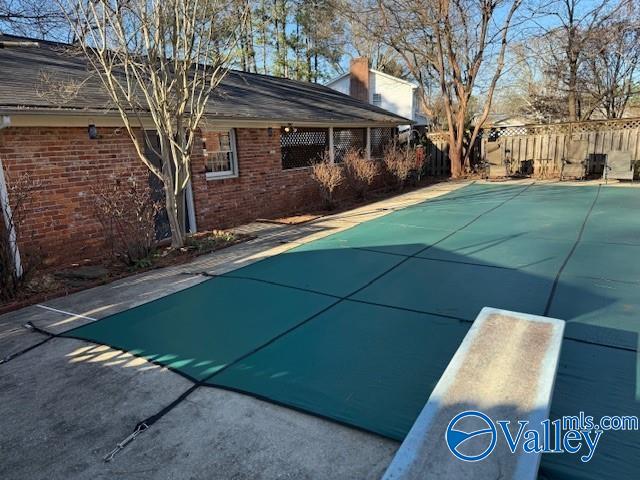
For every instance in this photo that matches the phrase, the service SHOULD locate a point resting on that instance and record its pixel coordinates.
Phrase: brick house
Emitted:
(258, 139)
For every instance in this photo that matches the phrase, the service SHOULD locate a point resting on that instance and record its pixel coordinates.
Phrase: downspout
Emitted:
(191, 209)
(6, 209)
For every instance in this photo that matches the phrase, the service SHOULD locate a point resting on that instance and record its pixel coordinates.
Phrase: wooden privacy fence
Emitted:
(436, 150)
(539, 150)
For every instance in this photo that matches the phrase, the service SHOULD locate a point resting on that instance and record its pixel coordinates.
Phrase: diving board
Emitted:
(504, 369)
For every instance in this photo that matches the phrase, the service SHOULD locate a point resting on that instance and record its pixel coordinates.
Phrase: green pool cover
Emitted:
(359, 326)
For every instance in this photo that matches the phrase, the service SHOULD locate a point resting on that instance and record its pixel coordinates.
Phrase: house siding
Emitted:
(60, 223)
(342, 85)
(397, 96)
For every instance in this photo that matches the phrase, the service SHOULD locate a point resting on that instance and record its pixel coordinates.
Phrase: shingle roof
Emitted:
(40, 78)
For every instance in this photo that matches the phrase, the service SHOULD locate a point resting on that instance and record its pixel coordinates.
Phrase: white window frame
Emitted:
(233, 173)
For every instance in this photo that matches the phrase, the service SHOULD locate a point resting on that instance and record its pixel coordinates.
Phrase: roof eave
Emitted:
(213, 119)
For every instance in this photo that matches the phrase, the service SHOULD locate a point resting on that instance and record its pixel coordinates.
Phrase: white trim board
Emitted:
(6, 211)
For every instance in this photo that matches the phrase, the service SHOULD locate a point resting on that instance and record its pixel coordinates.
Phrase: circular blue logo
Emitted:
(483, 428)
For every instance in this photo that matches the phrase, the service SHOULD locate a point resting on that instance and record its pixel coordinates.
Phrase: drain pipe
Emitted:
(6, 209)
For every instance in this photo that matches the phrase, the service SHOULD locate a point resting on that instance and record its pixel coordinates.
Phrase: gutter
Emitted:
(15, 44)
(6, 209)
(21, 111)
(210, 118)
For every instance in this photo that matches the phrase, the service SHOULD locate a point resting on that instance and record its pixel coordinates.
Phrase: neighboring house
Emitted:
(258, 139)
(381, 90)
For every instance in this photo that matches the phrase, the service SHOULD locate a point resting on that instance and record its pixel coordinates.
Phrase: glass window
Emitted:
(220, 154)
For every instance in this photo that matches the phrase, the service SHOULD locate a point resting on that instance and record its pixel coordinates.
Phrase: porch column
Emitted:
(368, 143)
(332, 157)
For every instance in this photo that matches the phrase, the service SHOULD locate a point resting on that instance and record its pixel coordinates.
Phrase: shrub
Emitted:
(329, 176)
(359, 171)
(400, 163)
(11, 280)
(127, 211)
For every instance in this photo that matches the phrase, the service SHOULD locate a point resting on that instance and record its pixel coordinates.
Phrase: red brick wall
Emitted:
(66, 164)
(261, 189)
(359, 79)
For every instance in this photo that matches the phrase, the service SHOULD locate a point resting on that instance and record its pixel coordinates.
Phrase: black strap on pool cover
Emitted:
(33, 328)
(571, 252)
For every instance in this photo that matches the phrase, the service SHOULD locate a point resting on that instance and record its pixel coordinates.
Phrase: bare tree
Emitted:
(570, 29)
(531, 86)
(160, 62)
(247, 52)
(449, 42)
(381, 56)
(32, 18)
(611, 65)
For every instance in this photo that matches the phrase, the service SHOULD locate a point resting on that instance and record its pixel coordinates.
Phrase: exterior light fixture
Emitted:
(270, 131)
(93, 132)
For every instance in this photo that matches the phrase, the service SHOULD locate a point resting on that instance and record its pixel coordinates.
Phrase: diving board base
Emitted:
(504, 370)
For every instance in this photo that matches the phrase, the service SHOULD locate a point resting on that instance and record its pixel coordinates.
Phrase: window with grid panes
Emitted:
(220, 154)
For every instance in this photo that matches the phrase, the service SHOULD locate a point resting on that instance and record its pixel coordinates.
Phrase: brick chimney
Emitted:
(359, 79)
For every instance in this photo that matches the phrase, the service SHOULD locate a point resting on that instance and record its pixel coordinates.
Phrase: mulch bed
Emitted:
(347, 204)
(59, 282)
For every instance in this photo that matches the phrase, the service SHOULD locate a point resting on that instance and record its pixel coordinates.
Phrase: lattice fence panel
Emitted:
(348, 138)
(599, 125)
(302, 147)
(380, 139)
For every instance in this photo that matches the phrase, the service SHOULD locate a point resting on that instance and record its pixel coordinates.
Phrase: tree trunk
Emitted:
(308, 54)
(572, 60)
(176, 221)
(572, 99)
(456, 156)
(174, 204)
(251, 49)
